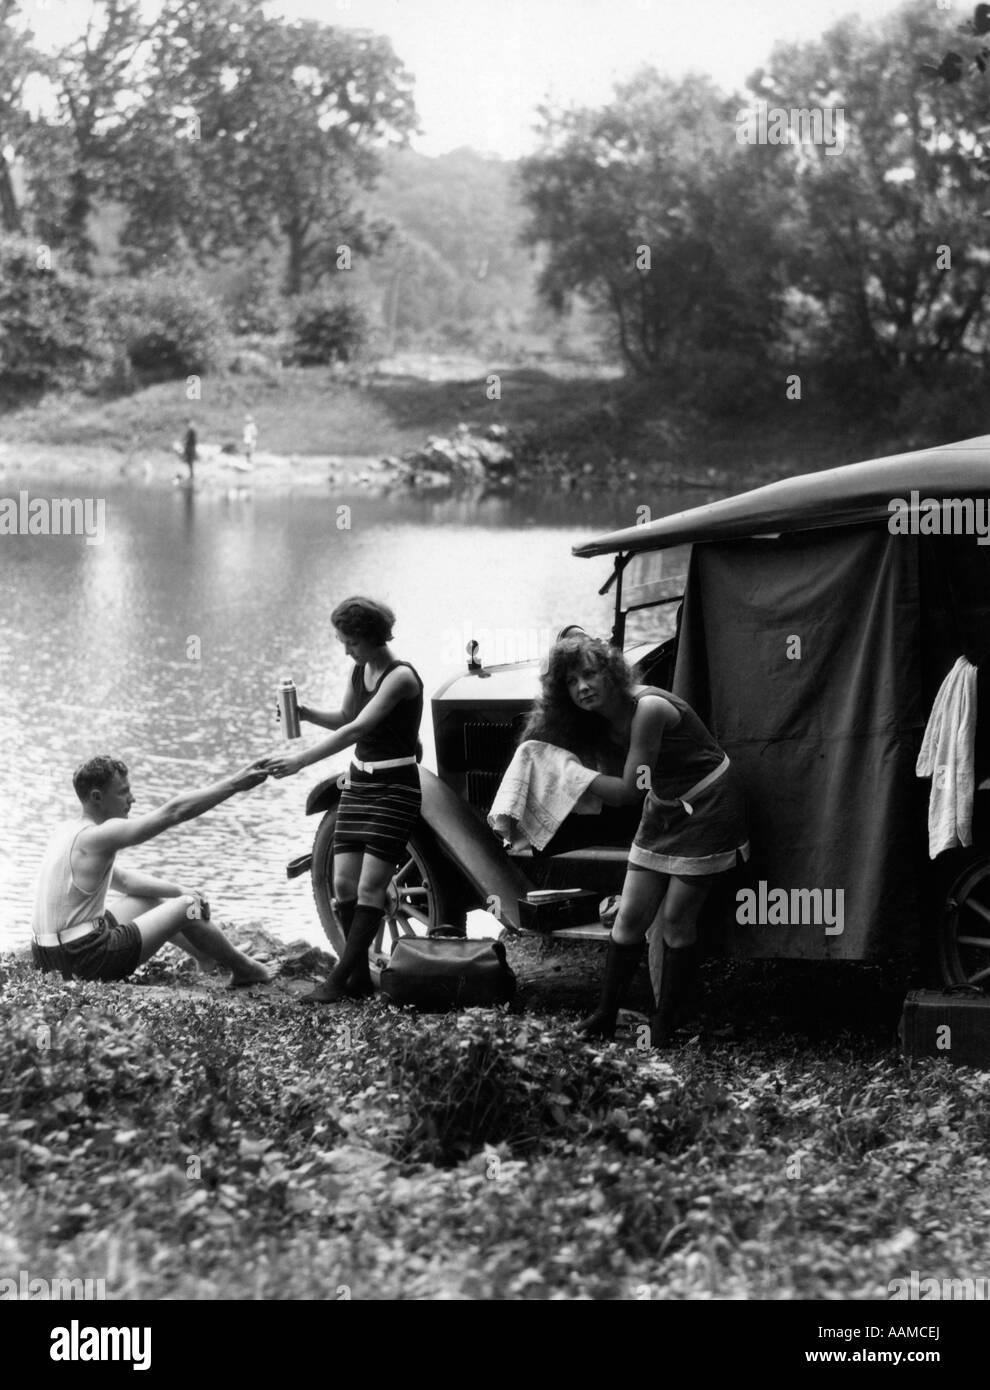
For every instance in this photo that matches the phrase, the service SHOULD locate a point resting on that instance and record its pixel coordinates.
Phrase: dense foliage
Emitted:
(849, 267)
(162, 326)
(719, 250)
(651, 208)
(893, 260)
(173, 117)
(52, 335)
(199, 1146)
(326, 328)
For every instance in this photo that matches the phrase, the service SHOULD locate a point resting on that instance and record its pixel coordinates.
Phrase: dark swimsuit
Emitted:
(694, 819)
(379, 809)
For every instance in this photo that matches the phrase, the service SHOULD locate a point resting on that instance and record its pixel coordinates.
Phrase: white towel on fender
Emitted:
(542, 786)
(946, 756)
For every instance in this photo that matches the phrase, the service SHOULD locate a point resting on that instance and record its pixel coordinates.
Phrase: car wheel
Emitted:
(418, 900)
(964, 928)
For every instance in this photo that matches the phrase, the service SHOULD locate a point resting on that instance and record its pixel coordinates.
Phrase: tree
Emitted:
(256, 129)
(453, 270)
(893, 248)
(98, 82)
(654, 210)
(18, 61)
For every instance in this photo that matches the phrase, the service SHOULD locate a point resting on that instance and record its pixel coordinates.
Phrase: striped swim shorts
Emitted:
(378, 812)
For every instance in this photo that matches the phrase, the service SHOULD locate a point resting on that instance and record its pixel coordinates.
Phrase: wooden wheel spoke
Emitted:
(964, 943)
(417, 893)
(398, 925)
(403, 873)
(976, 907)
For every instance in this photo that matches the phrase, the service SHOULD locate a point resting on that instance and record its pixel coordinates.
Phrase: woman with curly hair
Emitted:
(691, 828)
(598, 737)
(380, 713)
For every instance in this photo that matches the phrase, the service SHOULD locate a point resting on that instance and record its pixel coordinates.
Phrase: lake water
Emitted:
(164, 646)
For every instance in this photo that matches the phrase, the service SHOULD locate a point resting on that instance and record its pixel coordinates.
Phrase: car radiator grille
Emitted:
(488, 750)
(489, 746)
(481, 789)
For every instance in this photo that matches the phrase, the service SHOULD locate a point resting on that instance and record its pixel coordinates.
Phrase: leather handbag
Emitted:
(438, 973)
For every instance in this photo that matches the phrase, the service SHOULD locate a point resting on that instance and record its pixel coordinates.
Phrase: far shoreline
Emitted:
(44, 466)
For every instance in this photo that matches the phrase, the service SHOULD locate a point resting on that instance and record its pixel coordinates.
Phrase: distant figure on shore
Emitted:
(189, 453)
(250, 437)
(71, 928)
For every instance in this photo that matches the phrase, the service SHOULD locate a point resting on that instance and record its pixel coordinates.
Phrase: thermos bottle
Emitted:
(288, 708)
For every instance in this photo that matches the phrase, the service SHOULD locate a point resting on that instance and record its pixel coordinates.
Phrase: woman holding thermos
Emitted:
(380, 713)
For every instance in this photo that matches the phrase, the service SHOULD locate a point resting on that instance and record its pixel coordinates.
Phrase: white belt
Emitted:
(75, 933)
(387, 762)
(713, 776)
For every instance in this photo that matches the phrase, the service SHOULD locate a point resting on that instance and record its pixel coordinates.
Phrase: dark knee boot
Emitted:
(358, 983)
(363, 930)
(346, 908)
(676, 980)
(620, 967)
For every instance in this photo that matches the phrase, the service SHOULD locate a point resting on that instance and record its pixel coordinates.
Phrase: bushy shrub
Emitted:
(729, 382)
(252, 298)
(326, 329)
(937, 408)
(51, 333)
(164, 327)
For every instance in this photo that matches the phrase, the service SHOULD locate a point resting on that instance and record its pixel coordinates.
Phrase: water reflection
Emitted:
(165, 645)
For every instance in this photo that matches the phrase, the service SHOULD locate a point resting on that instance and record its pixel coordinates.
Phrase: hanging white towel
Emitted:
(542, 786)
(946, 756)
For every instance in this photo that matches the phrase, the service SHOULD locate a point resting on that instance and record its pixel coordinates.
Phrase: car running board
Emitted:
(591, 931)
(593, 854)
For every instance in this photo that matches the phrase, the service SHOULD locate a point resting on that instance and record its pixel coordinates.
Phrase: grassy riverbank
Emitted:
(190, 1143)
(314, 419)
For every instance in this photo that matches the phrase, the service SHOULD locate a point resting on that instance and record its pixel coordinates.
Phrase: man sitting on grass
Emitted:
(72, 930)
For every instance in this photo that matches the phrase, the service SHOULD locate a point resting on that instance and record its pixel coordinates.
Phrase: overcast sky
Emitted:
(483, 66)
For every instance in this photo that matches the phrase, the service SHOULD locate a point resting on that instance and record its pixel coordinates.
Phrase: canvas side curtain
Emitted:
(801, 653)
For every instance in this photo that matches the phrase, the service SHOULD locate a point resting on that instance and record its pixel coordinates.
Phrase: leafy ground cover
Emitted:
(184, 1143)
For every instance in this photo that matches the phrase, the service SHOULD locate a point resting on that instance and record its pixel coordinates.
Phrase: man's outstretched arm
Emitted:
(118, 833)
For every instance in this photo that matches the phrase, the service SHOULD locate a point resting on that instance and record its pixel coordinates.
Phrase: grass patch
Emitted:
(307, 410)
(605, 428)
(299, 411)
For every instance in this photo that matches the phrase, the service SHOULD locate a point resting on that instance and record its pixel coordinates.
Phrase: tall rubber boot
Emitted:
(358, 983)
(346, 908)
(680, 965)
(363, 930)
(345, 915)
(620, 967)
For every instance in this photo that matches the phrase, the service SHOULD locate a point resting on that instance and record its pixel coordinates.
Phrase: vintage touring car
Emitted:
(816, 618)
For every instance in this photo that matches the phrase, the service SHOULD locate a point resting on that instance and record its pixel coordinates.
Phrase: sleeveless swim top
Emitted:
(396, 736)
(59, 902)
(687, 753)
